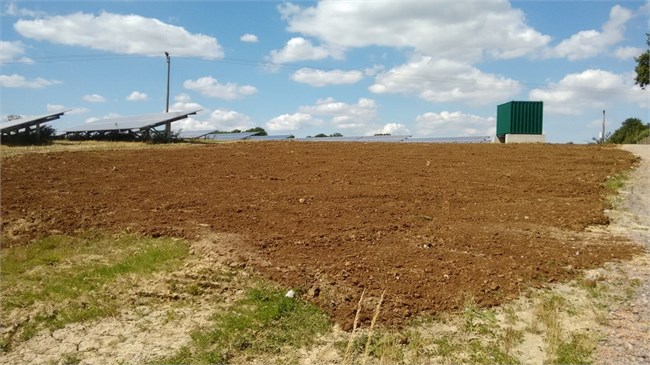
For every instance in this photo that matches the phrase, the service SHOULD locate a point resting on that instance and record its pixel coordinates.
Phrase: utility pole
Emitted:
(602, 136)
(168, 125)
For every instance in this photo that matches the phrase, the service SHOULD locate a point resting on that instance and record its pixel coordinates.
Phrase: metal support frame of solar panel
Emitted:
(470, 139)
(18, 124)
(223, 137)
(137, 122)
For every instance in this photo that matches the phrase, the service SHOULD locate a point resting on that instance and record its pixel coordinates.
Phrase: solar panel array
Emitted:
(229, 136)
(194, 134)
(383, 138)
(137, 122)
(18, 124)
(472, 139)
(401, 139)
(328, 139)
(281, 137)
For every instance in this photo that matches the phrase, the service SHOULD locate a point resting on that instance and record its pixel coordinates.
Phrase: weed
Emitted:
(479, 321)
(445, 347)
(576, 351)
(76, 291)
(548, 313)
(262, 323)
(510, 315)
(194, 290)
(511, 338)
(70, 359)
(489, 354)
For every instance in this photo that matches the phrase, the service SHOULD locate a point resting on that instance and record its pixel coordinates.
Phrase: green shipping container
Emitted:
(520, 117)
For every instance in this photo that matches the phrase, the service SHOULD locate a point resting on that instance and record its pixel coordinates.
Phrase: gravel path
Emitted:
(627, 337)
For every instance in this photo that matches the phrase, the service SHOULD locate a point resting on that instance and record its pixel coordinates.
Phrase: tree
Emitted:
(320, 135)
(260, 131)
(643, 67)
(337, 134)
(631, 131)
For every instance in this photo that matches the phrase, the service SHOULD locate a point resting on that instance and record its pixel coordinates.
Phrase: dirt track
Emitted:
(431, 224)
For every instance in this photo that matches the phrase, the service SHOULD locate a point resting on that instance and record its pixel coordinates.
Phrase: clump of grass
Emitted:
(616, 182)
(490, 353)
(577, 350)
(54, 276)
(612, 186)
(262, 323)
(548, 313)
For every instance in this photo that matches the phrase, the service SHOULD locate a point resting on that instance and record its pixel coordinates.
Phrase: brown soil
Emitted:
(433, 225)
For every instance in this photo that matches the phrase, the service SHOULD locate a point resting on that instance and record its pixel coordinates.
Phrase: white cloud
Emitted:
(211, 87)
(94, 98)
(192, 124)
(290, 122)
(301, 49)
(18, 81)
(440, 81)
(123, 34)
(344, 115)
(249, 38)
(589, 43)
(180, 106)
(137, 96)
(13, 10)
(183, 103)
(319, 78)
(627, 53)
(372, 71)
(394, 129)
(227, 120)
(593, 88)
(55, 108)
(454, 30)
(182, 98)
(13, 52)
(453, 124)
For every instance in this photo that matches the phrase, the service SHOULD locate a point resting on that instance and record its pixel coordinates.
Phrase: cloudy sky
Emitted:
(424, 68)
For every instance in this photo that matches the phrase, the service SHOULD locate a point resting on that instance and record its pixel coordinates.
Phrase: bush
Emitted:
(632, 131)
(30, 137)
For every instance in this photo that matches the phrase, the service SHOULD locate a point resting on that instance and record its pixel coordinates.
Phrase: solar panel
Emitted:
(194, 134)
(132, 122)
(384, 138)
(229, 136)
(468, 139)
(270, 138)
(398, 138)
(18, 124)
(328, 139)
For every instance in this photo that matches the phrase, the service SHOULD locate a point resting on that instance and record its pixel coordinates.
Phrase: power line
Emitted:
(294, 67)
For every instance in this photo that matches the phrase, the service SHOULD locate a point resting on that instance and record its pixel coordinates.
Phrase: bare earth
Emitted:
(430, 224)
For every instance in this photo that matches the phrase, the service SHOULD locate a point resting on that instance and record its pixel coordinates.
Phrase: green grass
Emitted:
(69, 277)
(577, 350)
(262, 323)
(613, 185)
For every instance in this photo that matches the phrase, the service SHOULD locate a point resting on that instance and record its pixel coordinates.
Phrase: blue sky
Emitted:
(424, 68)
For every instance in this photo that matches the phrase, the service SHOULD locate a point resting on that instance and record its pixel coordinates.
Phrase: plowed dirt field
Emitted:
(433, 225)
